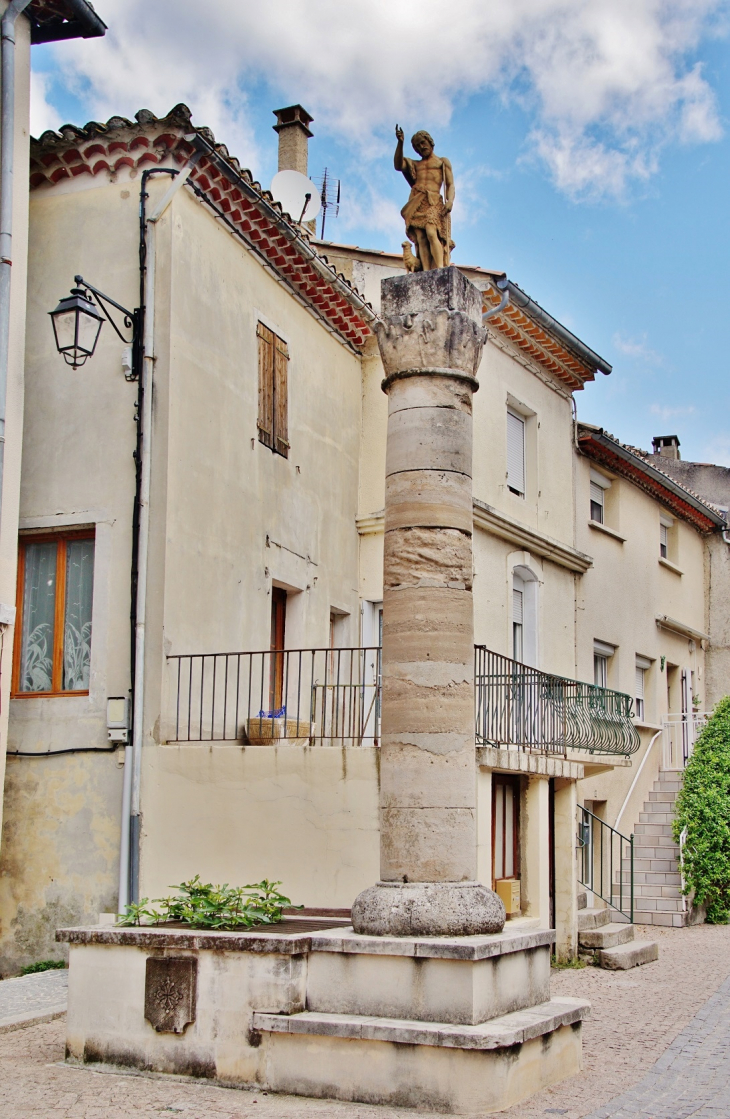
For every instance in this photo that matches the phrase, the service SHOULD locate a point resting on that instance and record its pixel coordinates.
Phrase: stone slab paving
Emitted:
(637, 1015)
(31, 999)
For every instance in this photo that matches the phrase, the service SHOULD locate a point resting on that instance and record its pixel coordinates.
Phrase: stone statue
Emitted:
(427, 215)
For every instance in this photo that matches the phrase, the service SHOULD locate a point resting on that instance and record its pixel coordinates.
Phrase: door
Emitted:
(505, 827)
(276, 669)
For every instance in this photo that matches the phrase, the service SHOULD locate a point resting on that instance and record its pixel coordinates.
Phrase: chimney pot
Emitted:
(666, 445)
(292, 125)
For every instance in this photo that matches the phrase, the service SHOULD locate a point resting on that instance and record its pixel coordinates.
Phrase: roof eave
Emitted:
(618, 451)
(85, 24)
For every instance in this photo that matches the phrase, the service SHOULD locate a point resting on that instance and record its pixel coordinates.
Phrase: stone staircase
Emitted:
(657, 883)
(611, 942)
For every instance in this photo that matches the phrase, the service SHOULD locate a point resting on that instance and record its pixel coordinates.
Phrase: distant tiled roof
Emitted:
(217, 177)
(634, 464)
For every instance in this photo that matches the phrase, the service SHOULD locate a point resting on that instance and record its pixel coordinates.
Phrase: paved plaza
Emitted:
(657, 1047)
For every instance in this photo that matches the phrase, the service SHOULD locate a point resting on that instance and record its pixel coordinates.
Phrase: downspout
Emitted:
(131, 789)
(7, 152)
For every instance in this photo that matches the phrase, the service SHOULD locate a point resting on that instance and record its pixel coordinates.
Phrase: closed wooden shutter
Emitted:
(515, 453)
(266, 384)
(281, 398)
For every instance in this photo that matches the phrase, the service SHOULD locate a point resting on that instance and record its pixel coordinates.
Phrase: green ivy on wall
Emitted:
(703, 814)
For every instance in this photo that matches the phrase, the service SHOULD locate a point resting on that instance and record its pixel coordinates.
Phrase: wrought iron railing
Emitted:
(299, 695)
(521, 707)
(606, 862)
(333, 695)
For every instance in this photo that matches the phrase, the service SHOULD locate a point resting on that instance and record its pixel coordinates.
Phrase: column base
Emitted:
(427, 909)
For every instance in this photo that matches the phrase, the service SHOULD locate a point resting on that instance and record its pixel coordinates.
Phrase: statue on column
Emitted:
(426, 213)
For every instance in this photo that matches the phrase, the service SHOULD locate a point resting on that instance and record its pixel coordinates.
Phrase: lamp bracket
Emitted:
(130, 318)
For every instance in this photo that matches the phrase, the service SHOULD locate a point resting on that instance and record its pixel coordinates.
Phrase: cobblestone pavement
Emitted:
(637, 1015)
(32, 997)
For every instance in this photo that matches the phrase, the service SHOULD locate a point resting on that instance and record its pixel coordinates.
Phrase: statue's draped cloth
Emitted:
(425, 208)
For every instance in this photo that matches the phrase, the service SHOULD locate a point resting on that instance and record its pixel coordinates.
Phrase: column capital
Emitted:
(431, 323)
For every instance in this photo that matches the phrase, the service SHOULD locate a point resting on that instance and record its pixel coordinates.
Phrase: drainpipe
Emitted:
(131, 788)
(7, 151)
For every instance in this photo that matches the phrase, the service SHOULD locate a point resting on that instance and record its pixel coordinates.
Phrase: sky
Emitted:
(590, 141)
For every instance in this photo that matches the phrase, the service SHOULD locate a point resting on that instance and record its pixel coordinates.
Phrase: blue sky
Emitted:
(590, 141)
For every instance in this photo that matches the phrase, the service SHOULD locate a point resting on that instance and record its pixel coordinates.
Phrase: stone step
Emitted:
(498, 1033)
(667, 786)
(582, 900)
(651, 866)
(628, 955)
(652, 890)
(651, 904)
(649, 877)
(656, 817)
(609, 936)
(592, 919)
(669, 920)
(662, 796)
(653, 829)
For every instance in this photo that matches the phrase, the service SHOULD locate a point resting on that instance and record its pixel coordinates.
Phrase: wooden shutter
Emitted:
(266, 384)
(281, 398)
(515, 453)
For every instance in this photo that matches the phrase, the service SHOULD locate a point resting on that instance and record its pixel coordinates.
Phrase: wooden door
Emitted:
(278, 627)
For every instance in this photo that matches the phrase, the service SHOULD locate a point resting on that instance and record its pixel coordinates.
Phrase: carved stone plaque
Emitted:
(169, 993)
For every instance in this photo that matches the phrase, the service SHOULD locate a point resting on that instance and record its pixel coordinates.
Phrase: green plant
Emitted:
(201, 905)
(42, 965)
(574, 963)
(702, 821)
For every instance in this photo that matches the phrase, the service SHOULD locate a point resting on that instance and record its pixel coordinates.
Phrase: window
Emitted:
(600, 670)
(640, 693)
(278, 631)
(643, 664)
(602, 653)
(518, 617)
(273, 392)
(599, 485)
(515, 453)
(55, 590)
(663, 541)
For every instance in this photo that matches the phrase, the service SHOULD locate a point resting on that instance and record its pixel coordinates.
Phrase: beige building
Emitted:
(239, 738)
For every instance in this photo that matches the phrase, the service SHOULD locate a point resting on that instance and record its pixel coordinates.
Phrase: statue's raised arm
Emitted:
(427, 213)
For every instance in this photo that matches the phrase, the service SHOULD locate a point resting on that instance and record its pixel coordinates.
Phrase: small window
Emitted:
(597, 498)
(663, 541)
(515, 453)
(505, 827)
(273, 420)
(518, 618)
(640, 709)
(55, 591)
(600, 670)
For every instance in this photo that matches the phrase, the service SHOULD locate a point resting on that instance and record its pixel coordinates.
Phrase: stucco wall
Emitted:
(619, 600)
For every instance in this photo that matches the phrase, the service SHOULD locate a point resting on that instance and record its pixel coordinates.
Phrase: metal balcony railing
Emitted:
(519, 706)
(334, 696)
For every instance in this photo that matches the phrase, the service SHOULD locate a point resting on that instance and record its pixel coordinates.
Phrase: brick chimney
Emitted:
(292, 124)
(666, 445)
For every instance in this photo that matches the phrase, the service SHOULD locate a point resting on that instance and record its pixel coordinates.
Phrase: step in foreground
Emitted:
(448, 1024)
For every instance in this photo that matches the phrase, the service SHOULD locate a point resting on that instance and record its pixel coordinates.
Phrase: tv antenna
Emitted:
(330, 195)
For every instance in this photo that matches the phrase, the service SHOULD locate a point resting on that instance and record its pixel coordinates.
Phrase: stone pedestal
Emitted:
(431, 340)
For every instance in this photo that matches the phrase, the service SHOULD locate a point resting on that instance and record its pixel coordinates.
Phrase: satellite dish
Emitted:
(291, 188)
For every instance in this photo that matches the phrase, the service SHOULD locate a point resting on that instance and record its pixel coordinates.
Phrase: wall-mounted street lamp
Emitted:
(77, 323)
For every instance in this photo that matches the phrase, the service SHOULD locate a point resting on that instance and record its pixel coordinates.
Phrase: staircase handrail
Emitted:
(636, 778)
(628, 839)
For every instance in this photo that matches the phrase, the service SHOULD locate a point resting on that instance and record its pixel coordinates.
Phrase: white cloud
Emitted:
(42, 113)
(606, 83)
(638, 349)
(666, 413)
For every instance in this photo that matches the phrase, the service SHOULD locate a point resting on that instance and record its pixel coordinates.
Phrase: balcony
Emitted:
(332, 697)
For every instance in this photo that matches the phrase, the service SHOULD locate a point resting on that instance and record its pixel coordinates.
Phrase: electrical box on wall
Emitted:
(508, 889)
(117, 718)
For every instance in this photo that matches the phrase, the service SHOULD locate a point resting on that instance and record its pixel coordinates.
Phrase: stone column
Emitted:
(431, 340)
